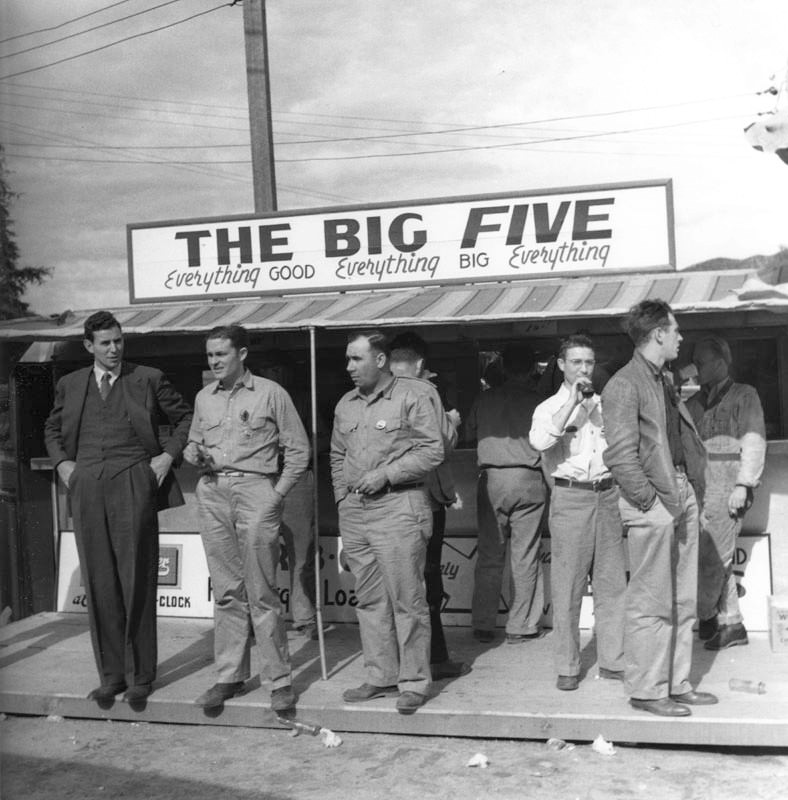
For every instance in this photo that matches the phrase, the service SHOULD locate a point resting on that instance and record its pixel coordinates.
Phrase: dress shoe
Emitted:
(218, 693)
(611, 674)
(694, 698)
(106, 694)
(728, 636)
(449, 669)
(368, 692)
(483, 636)
(283, 699)
(567, 683)
(409, 702)
(663, 707)
(138, 693)
(707, 628)
(521, 638)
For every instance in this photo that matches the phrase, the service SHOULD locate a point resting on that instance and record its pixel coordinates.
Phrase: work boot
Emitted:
(409, 702)
(283, 699)
(368, 692)
(218, 693)
(728, 636)
(449, 669)
(567, 683)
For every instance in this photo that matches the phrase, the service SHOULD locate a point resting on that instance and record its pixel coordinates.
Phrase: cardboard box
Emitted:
(778, 623)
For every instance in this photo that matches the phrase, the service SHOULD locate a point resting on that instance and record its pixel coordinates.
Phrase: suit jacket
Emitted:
(638, 453)
(146, 392)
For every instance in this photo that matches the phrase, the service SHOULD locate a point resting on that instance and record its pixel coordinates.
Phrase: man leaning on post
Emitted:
(240, 423)
(655, 455)
(385, 441)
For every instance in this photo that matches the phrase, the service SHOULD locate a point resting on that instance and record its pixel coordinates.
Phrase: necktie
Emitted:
(104, 387)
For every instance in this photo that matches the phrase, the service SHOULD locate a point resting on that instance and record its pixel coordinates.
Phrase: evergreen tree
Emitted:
(13, 278)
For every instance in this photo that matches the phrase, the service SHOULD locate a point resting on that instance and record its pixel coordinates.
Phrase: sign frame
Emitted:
(138, 295)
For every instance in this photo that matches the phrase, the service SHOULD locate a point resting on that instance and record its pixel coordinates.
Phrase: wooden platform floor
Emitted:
(46, 667)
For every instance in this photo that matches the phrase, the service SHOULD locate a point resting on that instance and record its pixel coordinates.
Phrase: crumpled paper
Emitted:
(602, 746)
(478, 760)
(330, 739)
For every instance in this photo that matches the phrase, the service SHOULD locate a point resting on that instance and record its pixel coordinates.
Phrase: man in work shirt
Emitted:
(729, 418)
(656, 457)
(585, 525)
(385, 441)
(240, 423)
(511, 502)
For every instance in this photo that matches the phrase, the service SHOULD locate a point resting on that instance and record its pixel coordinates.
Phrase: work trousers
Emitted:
(661, 598)
(240, 518)
(117, 533)
(384, 538)
(510, 505)
(587, 538)
(718, 594)
(433, 577)
(297, 531)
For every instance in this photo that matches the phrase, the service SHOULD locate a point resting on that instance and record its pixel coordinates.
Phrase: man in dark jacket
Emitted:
(655, 455)
(102, 437)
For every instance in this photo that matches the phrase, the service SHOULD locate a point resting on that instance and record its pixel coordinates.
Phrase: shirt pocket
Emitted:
(385, 435)
(211, 430)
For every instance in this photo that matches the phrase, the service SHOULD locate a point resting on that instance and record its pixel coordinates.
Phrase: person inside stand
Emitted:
(409, 359)
(103, 438)
(241, 421)
(656, 457)
(585, 526)
(511, 500)
(729, 418)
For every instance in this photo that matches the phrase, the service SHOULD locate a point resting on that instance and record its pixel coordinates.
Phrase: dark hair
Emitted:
(378, 340)
(100, 321)
(645, 317)
(408, 346)
(717, 345)
(237, 334)
(575, 340)
(518, 359)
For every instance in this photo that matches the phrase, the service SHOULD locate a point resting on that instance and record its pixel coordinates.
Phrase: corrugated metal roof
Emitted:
(556, 298)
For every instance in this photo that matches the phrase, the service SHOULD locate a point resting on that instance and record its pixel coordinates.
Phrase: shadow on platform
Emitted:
(46, 667)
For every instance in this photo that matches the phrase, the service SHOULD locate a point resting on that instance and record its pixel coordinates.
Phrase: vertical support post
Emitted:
(259, 93)
(315, 495)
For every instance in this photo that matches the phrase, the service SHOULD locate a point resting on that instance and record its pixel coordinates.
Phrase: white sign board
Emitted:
(456, 240)
(185, 588)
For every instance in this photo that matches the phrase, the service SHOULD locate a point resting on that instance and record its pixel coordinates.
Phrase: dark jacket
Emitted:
(146, 392)
(638, 453)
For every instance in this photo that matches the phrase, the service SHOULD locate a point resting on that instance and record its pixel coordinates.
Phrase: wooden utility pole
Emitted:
(258, 88)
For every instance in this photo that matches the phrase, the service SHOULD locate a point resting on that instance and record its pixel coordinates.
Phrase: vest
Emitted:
(107, 440)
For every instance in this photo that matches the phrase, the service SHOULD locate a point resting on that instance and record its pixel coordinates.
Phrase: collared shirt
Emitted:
(243, 428)
(500, 421)
(576, 451)
(397, 429)
(98, 372)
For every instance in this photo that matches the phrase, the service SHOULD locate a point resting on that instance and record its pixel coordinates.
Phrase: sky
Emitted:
(559, 93)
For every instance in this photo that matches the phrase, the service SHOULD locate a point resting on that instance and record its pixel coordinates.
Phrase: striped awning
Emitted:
(569, 297)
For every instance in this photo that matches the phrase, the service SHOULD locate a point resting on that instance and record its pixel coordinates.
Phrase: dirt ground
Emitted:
(48, 758)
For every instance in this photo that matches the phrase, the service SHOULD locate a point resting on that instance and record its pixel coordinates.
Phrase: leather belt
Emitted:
(601, 485)
(507, 466)
(723, 456)
(402, 487)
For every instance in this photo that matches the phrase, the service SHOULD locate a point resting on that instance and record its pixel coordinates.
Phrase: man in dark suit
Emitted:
(102, 437)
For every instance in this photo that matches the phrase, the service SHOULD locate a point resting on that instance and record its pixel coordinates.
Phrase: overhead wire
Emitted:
(62, 24)
(112, 44)
(88, 30)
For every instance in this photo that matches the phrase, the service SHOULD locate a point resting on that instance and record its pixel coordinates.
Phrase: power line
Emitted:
(112, 44)
(63, 24)
(89, 30)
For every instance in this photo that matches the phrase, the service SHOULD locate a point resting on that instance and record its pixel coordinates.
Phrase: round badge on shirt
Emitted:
(381, 424)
